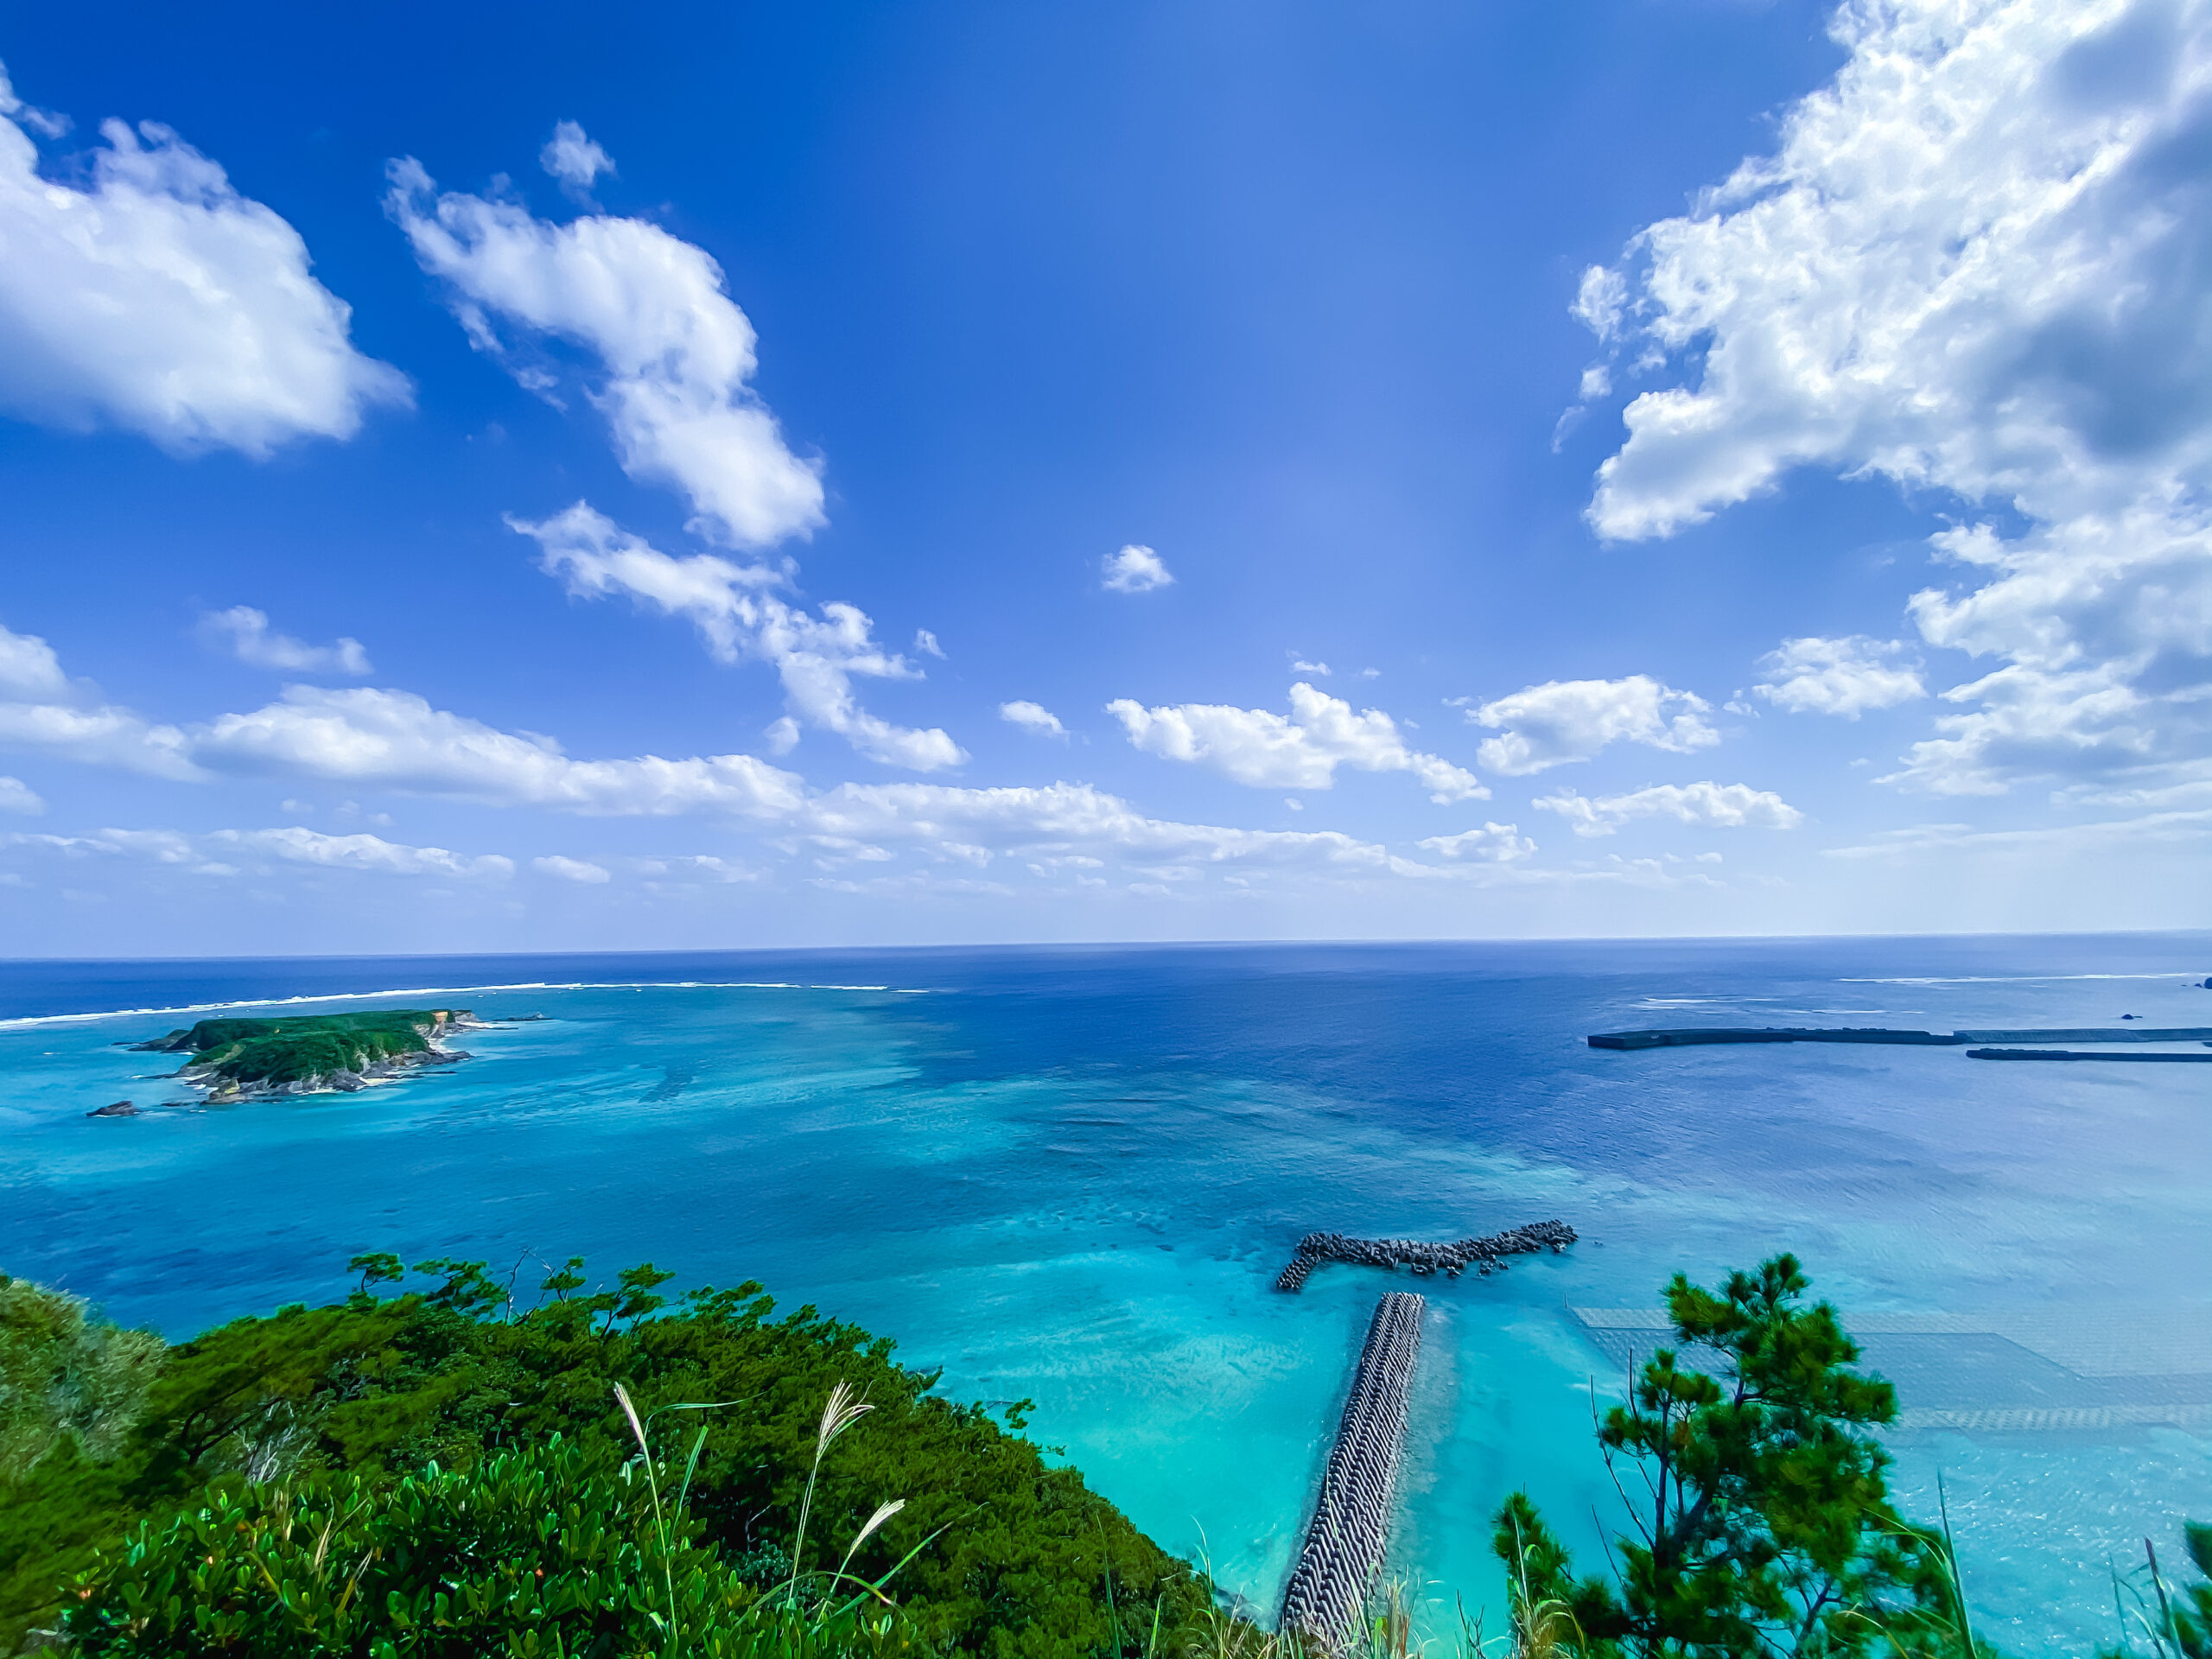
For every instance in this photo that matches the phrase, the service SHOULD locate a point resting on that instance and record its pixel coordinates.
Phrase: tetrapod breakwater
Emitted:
(1483, 1254)
(1327, 1593)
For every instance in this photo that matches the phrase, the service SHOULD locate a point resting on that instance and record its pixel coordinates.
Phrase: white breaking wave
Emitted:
(453, 990)
(2004, 979)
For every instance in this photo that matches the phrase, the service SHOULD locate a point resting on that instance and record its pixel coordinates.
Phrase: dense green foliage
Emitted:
(2188, 1611)
(532, 1552)
(65, 1378)
(1010, 1556)
(293, 1048)
(1760, 1521)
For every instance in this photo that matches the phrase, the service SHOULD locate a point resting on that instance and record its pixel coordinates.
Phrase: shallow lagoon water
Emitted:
(1071, 1175)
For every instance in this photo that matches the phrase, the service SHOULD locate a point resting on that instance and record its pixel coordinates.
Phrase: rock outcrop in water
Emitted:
(1483, 1254)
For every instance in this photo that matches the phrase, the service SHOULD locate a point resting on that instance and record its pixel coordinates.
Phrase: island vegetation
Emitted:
(442, 1471)
(308, 1053)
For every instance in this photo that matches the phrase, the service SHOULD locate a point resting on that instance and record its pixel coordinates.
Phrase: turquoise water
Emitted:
(1072, 1175)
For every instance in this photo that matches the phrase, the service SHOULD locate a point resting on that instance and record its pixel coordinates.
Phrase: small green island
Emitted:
(311, 1054)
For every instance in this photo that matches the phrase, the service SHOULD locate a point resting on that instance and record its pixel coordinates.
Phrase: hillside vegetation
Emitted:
(348, 1420)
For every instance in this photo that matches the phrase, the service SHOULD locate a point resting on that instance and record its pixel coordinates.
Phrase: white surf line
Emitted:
(2007, 979)
(455, 990)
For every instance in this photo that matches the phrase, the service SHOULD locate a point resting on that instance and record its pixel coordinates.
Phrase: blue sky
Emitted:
(544, 478)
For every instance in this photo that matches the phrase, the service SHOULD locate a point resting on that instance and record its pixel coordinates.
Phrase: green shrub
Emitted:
(1011, 1557)
(66, 1377)
(532, 1552)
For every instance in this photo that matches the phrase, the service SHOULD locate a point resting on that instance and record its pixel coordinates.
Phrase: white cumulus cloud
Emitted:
(816, 657)
(679, 354)
(245, 633)
(42, 710)
(29, 668)
(17, 795)
(1134, 569)
(1495, 843)
(1715, 806)
(1837, 676)
(1974, 263)
(155, 298)
(1268, 751)
(1032, 717)
(571, 869)
(1564, 720)
(570, 156)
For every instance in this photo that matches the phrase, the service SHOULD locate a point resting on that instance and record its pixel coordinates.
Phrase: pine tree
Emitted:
(1759, 1515)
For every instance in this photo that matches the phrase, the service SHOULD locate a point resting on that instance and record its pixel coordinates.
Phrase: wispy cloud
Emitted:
(677, 353)
(734, 609)
(1032, 717)
(245, 633)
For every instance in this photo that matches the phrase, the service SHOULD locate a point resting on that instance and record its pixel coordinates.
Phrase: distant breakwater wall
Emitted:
(1699, 1036)
(1481, 1253)
(2074, 1054)
(1327, 1593)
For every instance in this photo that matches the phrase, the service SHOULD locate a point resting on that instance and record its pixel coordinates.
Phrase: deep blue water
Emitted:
(1072, 1174)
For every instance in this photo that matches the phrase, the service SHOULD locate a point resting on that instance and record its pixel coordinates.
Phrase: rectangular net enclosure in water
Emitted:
(1343, 1556)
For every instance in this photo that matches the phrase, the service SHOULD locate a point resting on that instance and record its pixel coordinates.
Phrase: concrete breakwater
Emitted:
(1328, 1590)
(1699, 1036)
(2074, 1054)
(1481, 1253)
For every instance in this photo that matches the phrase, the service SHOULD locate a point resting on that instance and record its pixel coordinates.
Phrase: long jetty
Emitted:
(1328, 1590)
(1483, 1255)
(2075, 1054)
(1700, 1035)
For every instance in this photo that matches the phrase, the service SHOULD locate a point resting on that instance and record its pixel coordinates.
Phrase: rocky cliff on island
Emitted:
(315, 1054)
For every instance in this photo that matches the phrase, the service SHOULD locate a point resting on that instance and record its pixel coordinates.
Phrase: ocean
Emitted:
(1072, 1175)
